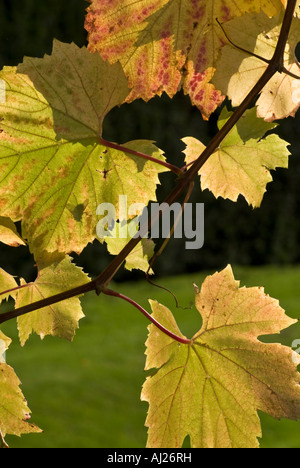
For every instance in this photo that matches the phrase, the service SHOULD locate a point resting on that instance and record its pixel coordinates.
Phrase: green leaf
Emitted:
(4, 344)
(59, 319)
(7, 282)
(14, 412)
(238, 72)
(9, 234)
(212, 388)
(140, 256)
(164, 45)
(242, 164)
(54, 169)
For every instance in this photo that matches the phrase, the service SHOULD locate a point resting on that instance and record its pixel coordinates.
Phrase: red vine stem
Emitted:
(110, 292)
(263, 59)
(9, 291)
(276, 65)
(115, 146)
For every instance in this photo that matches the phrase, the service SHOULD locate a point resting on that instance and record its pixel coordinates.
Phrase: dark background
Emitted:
(234, 232)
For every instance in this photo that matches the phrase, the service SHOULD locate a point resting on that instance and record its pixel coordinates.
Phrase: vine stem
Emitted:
(75, 292)
(9, 291)
(180, 339)
(118, 147)
(263, 59)
(273, 67)
(276, 65)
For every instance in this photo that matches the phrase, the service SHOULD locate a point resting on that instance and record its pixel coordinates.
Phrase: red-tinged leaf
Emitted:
(164, 45)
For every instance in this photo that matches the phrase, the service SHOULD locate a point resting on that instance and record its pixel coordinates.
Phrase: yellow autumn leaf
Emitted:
(242, 163)
(14, 412)
(7, 282)
(166, 45)
(55, 168)
(212, 388)
(119, 237)
(59, 319)
(237, 72)
(9, 234)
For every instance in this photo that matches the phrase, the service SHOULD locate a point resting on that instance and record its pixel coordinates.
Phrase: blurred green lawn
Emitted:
(86, 394)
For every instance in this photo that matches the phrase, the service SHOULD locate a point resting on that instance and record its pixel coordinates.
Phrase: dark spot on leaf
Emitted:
(78, 212)
(104, 172)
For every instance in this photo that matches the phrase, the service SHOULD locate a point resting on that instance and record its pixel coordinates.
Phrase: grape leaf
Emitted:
(7, 282)
(212, 388)
(14, 412)
(9, 234)
(140, 256)
(54, 169)
(4, 344)
(166, 44)
(280, 98)
(59, 319)
(243, 161)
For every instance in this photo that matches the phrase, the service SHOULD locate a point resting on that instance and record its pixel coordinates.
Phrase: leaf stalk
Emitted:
(180, 339)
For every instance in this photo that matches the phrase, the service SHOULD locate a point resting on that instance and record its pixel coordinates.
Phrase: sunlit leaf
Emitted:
(164, 45)
(212, 388)
(243, 161)
(9, 234)
(59, 319)
(237, 72)
(54, 169)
